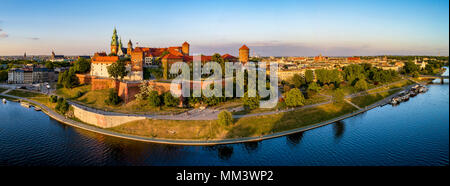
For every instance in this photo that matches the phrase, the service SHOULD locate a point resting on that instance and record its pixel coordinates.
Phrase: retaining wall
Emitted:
(100, 120)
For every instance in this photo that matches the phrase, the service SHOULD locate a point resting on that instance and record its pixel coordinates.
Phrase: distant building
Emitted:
(56, 58)
(15, 76)
(28, 75)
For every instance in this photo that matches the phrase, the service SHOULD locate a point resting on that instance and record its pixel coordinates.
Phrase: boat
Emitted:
(24, 104)
(4, 100)
(37, 109)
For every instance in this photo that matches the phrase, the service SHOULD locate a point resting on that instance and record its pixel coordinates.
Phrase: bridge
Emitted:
(442, 77)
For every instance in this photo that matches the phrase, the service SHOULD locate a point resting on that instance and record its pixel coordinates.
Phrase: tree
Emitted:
(53, 99)
(225, 118)
(62, 106)
(309, 76)
(170, 100)
(250, 102)
(410, 67)
(298, 80)
(144, 90)
(295, 98)
(113, 98)
(117, 70)
(49, 65)
(313, 87)
(154, 99)
(338, 95)
(82, 65)
(3, 75)
(361, 85)
(67, 79)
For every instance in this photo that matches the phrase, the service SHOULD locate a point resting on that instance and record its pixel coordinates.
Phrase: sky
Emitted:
(268, 28)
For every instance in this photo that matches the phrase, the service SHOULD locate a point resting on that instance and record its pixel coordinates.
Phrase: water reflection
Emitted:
(225, 151)
(295, 138)
(339, 129)
(251, 146)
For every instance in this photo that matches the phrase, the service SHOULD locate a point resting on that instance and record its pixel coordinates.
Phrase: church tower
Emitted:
(130, 47)
(114, 42)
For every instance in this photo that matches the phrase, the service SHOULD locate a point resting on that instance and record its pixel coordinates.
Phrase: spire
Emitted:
(120, 43)
(114, 41)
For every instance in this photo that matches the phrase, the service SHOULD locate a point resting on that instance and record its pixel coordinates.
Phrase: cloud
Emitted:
(3, 35)
(1, 29)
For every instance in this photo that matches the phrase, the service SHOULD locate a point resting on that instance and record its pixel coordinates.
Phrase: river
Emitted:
(413, 133)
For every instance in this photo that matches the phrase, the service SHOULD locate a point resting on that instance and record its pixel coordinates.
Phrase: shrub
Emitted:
(361, 85)
(53, 99)
(295, 98)
(113, 98)
(154, 99)
(250, 102)
(225, 118)
(170, 100)
(62, 106)
(78, 94)
(338, 95)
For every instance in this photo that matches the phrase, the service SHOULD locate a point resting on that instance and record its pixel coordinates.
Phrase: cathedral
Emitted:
(148, 57)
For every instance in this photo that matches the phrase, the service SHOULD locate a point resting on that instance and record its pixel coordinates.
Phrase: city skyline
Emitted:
(286, 28)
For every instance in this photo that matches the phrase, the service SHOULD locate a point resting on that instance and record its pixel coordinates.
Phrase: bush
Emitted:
(338, 95)
(295, 98)
(62, 106)
(250, 102)
(225, 118)
(78, 94)
(154, 99)
(170, 100)
(113, 98)
(53, 99)
(361, 85)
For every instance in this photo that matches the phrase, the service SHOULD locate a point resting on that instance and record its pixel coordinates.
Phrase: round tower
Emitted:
(244, 52)
(185, 48)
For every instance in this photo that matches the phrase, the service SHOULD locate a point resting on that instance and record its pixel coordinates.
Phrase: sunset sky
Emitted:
(269, 28)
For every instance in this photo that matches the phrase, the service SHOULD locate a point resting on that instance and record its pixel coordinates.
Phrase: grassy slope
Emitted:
(244, 127)
(367, 100)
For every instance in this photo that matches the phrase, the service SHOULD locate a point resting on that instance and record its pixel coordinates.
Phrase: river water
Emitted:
(413, 133)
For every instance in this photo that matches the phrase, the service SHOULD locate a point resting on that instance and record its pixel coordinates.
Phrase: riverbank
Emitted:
(238, 138)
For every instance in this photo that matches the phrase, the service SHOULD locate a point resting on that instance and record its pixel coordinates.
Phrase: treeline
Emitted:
(67, 79)
(431, 68)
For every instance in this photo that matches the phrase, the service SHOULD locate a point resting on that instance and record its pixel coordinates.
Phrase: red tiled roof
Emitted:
(244, 47)
(228, 56)
(105, 59)
(353, 58)
(171, 56)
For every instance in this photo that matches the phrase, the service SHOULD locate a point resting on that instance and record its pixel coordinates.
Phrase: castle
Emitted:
(143, 57)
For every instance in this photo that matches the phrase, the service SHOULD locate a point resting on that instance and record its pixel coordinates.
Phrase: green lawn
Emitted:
(244, 127)
(363, 101)
(24, 94)
(2, 90)
(96, 99)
